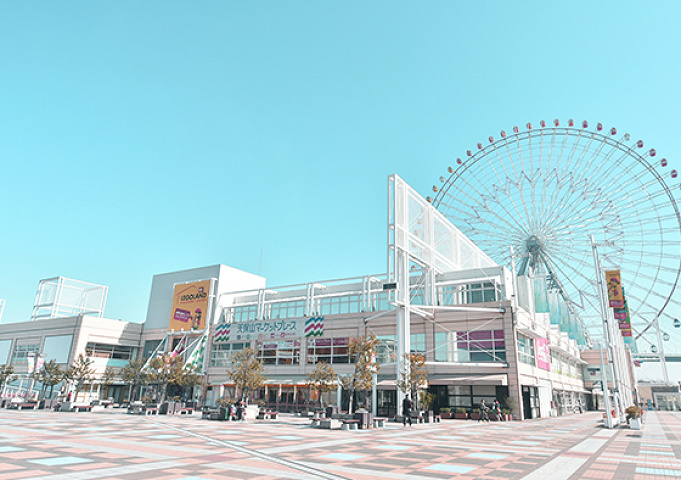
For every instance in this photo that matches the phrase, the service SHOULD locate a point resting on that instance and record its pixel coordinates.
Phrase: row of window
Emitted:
(352, 303)
(475, 346)
(102, 350)
(21, 352)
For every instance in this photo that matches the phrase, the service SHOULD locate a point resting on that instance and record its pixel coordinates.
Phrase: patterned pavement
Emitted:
(114, 446)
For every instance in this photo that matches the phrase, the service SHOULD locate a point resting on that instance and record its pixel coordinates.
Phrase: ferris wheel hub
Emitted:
(535, 244)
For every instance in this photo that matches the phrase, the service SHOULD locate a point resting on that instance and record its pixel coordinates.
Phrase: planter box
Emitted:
(475, 416)
(635, 423)
(462, 416)
(446, 416)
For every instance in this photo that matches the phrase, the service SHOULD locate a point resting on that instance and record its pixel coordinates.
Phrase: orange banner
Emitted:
(190, 306)
(615, 293)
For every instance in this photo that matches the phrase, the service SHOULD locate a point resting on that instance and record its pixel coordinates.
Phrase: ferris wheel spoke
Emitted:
(550, 189)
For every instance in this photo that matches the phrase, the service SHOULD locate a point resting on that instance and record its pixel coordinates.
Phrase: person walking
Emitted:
(497, 410)
(484, 412)
(406, 411)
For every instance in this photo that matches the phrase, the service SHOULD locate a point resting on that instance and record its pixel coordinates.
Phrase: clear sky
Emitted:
(139, 138)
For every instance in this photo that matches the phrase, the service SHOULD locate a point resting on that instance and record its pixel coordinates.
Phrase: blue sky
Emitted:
(139, 138)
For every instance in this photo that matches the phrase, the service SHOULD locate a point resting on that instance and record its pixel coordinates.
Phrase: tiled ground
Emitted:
(113, 445)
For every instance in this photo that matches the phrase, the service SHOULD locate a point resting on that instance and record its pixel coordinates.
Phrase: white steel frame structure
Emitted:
(421, 239)
(61, 297)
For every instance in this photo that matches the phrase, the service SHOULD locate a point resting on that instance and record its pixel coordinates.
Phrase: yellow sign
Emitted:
(615, 293)
(190, 306)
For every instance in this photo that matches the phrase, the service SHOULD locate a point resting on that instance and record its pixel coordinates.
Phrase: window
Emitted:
(418, 343)
(379, 301)
(480, 292)
(220, 353)
(103, 350)
(21, 352)
(525, 349)
(460, 396)
(328, 350)
(471, 293)
(481, 346)
(468, 396)
(149, 347)
(290, 309)
(386, 349)
(445, 347)
(339, 305)
(244, 313)
(284, 352)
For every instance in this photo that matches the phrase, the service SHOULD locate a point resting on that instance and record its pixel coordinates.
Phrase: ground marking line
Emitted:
(263, 456)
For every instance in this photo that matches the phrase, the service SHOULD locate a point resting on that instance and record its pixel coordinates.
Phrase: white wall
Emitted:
(162, 289)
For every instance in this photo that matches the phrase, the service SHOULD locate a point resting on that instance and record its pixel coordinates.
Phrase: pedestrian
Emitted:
(484, 412)
(579, 405)
(406, 411)
(497, 409)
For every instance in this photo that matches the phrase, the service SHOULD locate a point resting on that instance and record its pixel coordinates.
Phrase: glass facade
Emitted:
(470, 346)
(20, 353)
(118, 352)
(220, 353)
(284, 352)
(481, 346)
(328, 350)
(525, 349)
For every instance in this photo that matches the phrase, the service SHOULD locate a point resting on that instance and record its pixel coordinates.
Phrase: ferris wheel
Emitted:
(545, 191)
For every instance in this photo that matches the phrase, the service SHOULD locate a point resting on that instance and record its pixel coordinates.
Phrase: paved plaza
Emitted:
(115, 446)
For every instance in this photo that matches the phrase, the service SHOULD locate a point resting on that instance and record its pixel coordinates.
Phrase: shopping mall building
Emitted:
(485, 332)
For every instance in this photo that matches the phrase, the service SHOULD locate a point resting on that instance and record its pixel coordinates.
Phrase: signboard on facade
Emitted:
(269, 330)
(615, 294)
(541, 352)
(190, 306)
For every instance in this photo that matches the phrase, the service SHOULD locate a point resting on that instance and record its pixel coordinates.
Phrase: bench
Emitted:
(21, 406)
(186, 411)
(350, 425)
(81, 408)
(151, 411)
(268, 415)
(379, 422)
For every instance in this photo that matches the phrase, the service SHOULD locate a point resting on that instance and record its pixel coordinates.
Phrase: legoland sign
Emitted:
(190, 306)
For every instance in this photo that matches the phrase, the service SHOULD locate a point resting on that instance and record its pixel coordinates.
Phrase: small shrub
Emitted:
(633, 412)
(446, 410)
(460, 410)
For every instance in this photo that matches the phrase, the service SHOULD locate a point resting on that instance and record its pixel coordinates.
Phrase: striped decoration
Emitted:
(222, 332)
(314, 327)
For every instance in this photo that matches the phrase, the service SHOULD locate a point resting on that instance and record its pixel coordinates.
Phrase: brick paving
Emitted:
(112, 445)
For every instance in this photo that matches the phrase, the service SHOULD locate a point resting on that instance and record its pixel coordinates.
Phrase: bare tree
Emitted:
(49, 375)
(322, 379)
(6, 376)
(247, 372)
(107, 378)
(363, 351)
(133, 375)
(80, 372)
(164, 370)
(415, 376)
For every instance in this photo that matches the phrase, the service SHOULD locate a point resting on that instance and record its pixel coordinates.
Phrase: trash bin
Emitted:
(365, 419)
(332, 411)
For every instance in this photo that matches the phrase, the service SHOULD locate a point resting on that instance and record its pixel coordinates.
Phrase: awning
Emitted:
(469, 380)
